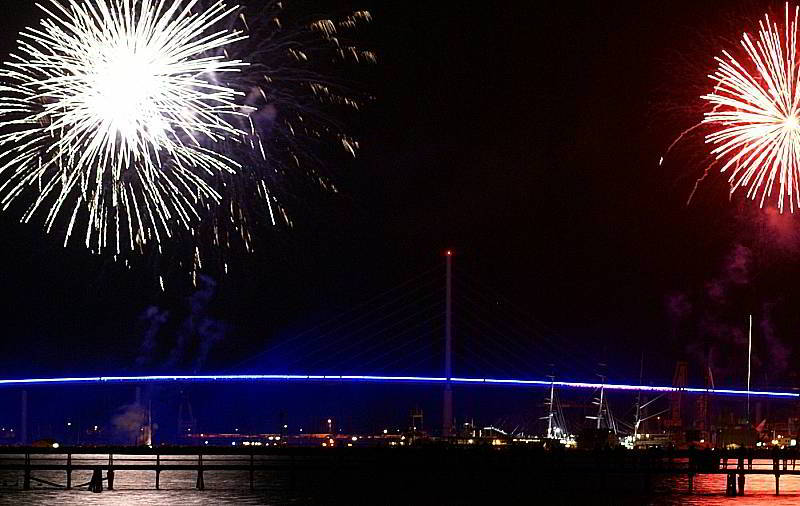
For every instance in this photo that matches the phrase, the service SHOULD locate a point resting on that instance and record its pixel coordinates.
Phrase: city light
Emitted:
(304, 378)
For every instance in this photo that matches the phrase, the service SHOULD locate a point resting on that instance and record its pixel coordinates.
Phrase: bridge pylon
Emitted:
(447, 402)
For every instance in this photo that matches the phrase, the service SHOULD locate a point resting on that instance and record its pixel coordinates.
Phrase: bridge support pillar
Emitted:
(23, 419)
(777, 484)
(158, 472)
(741, 484)
(447, 401)
(691, 482)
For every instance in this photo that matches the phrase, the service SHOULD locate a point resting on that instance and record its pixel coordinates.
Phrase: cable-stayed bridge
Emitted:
(434, 328)
(399, 336)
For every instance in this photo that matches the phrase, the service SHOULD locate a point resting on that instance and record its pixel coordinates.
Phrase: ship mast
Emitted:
(601, 400)
(749, 355)
(639, 399)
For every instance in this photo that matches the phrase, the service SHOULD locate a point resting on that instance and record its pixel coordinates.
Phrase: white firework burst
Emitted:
(756, 113)
(110, 111)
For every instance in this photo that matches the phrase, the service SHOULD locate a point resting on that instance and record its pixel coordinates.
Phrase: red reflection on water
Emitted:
(709, 489)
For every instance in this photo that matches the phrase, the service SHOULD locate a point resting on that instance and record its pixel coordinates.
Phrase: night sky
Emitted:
(526, 138)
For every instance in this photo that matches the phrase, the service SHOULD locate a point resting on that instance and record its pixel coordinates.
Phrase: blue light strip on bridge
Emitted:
(381, 379)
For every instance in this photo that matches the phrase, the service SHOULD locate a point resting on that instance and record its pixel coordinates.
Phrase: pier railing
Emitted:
(105, 463)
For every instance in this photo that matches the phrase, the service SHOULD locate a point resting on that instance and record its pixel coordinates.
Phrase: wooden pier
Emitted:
(33, 461)
(387, 465)
(736, 466)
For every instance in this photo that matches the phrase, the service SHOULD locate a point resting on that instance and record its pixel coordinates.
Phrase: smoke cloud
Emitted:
(779, 353)
(714, 321)
(153, 319)
(129, 422)
(186, 336)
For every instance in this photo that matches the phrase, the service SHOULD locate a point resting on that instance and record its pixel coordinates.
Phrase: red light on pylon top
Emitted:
(448, 253)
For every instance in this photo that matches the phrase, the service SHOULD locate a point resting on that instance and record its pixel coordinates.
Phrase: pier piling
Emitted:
(201, 484)
(730, 489)
(96, 485)
(26, 479)
(740, 467)
(69, 471)
(111, 471)
(252, 472)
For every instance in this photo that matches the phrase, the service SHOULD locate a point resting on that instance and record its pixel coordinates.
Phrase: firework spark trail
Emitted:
(756, 113)
(677, 141)
(296, 88)
(110, 111)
